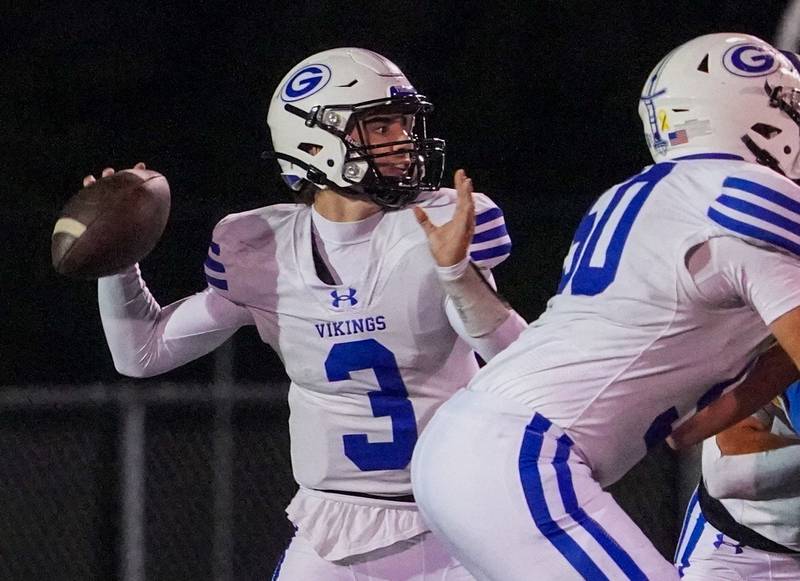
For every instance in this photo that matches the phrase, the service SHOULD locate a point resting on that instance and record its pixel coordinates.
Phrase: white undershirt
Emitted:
(344, 246)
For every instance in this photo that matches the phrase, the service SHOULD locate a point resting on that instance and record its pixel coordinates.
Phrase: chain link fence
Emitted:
(132, 483)
(57, 495)
(160, 481)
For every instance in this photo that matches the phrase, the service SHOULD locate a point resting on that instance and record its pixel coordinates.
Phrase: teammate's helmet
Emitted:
(725, 93)
(316, 120)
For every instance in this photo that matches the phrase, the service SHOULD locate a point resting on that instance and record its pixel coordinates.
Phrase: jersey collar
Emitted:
(344, 233)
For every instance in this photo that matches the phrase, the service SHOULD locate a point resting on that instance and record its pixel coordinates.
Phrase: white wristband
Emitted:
(454, 271)
(478, 306)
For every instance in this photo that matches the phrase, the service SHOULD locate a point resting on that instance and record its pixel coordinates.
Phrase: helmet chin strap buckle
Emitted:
(311, 117)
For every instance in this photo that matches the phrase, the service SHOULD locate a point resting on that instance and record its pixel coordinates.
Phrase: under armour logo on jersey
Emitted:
(350, 298)
(305, 82)
(721, 541)
(750, 60)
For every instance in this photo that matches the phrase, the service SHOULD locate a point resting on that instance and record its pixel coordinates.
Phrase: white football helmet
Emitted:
(725, 93)
(316, 120)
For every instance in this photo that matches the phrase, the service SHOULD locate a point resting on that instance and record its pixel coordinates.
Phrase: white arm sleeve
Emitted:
(758, 476)
(483, 320)
(146, 340)
(730, 272)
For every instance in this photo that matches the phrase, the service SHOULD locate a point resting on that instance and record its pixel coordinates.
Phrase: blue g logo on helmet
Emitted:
(305, 82)
(750, 60)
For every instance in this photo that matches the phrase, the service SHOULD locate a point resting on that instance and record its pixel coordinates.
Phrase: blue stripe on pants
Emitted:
(697, 532)
(692, 502)
(537, 505)
(567, 490)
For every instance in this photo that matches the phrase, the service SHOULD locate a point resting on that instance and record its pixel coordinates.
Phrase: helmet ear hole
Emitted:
(765, 130)
(310, 148)
(703, 66)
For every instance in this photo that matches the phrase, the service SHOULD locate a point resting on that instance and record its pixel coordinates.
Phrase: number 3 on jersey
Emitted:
(591, 238)
(391, 400)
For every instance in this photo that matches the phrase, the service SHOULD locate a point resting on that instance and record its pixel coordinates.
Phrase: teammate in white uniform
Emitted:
(345, 288)
(674, 283)
(743, 522)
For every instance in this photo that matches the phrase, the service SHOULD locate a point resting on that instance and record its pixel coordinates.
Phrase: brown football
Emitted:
(110, 224)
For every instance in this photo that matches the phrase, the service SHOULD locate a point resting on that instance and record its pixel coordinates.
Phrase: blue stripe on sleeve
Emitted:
(494, 252)
(488, 216)
(214, 248)
(217, 282)
(491, 234)
(568, 497)
(214, 265)
(753, 231)
(532, 487)
(764, 192)
(761, 213)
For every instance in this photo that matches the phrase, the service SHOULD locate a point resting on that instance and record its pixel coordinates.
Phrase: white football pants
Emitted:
(514, 502)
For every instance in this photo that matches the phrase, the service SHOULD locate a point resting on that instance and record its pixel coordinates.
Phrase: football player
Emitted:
(743, 521)
(373, 316)
(675, 284)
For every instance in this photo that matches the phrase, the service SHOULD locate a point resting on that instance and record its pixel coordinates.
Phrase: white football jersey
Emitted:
(629, 346)
(369, 360)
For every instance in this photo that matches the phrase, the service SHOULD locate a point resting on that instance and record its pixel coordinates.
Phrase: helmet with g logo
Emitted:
(316, 116)
(725, 93)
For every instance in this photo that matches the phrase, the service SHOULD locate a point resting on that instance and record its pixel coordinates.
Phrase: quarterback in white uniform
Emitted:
(368, 311)
(743, 522)
(675, 284)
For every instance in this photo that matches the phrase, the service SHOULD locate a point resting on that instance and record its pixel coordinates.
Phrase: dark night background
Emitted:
(537, 101)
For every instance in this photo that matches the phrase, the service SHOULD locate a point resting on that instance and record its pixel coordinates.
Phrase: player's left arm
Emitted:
(773, 371)
(474, 309)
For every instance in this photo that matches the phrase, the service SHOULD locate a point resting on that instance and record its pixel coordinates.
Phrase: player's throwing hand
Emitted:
(450, 242)
(90, 179)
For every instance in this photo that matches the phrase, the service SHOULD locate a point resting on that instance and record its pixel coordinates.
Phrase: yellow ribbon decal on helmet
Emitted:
(663, 122)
